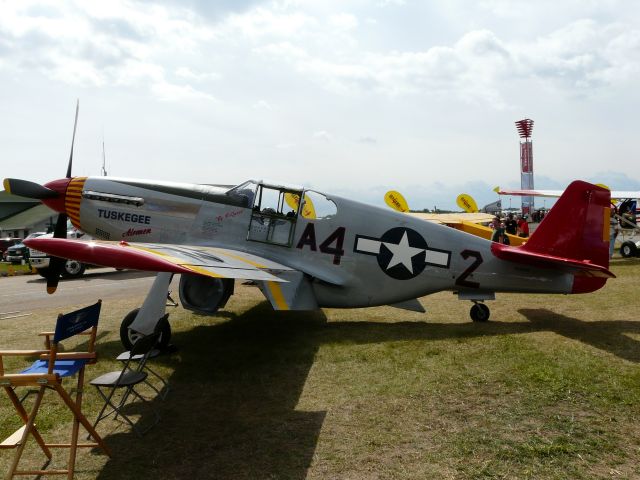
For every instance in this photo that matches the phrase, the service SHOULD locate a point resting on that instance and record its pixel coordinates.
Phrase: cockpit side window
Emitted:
(317, 206)
(274, 216)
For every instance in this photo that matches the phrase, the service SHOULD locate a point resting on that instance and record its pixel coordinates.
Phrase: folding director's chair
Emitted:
(47, 373)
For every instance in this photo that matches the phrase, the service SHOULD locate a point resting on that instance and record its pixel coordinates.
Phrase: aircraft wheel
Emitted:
(628, 249)
(479, 312)
(73, 269)
(128, 337)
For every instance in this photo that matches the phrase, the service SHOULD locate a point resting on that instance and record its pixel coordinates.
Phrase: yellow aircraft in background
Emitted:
(471, 221)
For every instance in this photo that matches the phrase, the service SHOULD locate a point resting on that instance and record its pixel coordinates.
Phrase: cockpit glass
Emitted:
(245, 192)
(317, 206)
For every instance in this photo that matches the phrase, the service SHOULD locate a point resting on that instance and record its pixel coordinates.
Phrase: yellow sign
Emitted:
(467, 203)
(396, 201)
(308, 210)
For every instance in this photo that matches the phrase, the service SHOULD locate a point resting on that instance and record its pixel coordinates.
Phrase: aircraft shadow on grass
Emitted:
(232, 411)
(608, 335)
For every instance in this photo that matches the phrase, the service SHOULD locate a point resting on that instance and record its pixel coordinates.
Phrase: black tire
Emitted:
(73, 269)
(479, 312)
(128, 337)
(628, 249)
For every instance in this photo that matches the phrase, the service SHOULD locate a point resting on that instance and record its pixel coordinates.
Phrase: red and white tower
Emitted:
(525, 127)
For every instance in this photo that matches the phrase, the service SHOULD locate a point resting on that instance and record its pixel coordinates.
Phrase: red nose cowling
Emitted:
(59, 186)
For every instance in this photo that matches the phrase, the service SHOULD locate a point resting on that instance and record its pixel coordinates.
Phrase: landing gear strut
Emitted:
(479, 312)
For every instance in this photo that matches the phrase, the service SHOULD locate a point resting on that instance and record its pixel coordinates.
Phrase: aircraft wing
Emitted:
(453, 218)
(208, 261)
(615, 194)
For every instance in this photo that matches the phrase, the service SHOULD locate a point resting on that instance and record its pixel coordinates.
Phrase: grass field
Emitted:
(549, 389)
(8, 269)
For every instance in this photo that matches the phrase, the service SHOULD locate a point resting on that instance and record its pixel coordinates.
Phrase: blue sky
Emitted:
(350, 97)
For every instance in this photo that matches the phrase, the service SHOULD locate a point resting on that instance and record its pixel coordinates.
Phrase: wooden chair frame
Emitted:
(51, 380)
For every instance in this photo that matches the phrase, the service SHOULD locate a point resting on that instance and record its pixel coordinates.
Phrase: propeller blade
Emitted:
(60, 230)
(56, 264)
(54, 271)
(25, 188)
(73, 139)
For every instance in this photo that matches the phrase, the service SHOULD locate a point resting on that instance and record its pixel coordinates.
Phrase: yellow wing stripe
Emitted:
(178, 261)
(278, 296)
(242, 259)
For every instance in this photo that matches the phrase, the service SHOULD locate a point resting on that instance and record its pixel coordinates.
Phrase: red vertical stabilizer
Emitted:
(577, 228)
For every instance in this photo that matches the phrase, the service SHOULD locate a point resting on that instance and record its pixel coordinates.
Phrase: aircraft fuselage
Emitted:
(356, 256)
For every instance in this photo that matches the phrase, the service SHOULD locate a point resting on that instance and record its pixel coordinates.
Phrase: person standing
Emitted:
(511, 226)
(498, 230)
(523, 227)
(614, 230)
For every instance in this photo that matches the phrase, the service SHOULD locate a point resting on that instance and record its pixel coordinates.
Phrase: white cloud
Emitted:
(171, 92)
(343, 21)
(185, 72)
(262, 105)
(262, 22)
(322, 135)
(585, 54)
(98, 44)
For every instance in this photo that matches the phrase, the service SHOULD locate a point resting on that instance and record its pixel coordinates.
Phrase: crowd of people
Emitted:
(509, 225)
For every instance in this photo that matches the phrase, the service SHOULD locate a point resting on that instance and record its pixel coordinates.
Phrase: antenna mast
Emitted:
(104, 159)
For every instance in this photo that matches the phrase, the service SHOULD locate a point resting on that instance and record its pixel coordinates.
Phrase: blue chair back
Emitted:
(71, 324)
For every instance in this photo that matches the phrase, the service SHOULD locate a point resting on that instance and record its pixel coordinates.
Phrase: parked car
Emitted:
(5, 243)
(19, 252)
(72, 268)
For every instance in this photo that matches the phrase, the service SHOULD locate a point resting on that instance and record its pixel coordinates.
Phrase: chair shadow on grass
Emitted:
(231, 412)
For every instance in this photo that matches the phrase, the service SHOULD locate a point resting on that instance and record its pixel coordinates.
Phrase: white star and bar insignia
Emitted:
(402, 253)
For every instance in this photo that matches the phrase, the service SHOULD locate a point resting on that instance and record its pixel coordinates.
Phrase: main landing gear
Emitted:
(128, 336)
(151, 316)
(479, 312)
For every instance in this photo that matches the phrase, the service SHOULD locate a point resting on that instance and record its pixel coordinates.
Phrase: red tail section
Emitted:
(574, 236)
(577, 227)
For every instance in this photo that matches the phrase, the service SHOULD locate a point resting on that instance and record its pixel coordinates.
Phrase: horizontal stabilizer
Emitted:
(583, 268)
